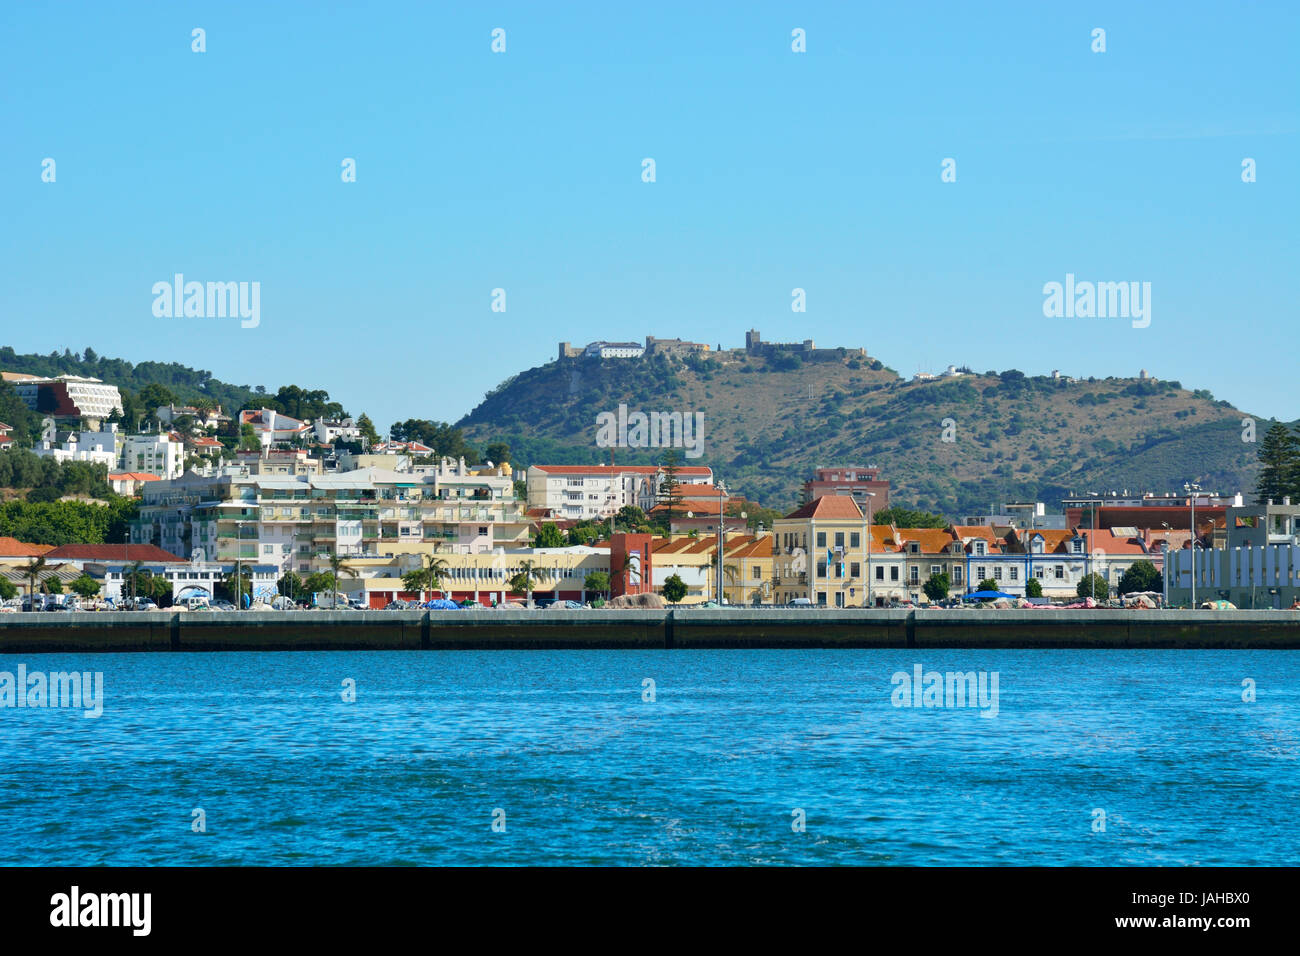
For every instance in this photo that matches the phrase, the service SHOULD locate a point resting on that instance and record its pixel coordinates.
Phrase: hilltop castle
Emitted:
(680, 348)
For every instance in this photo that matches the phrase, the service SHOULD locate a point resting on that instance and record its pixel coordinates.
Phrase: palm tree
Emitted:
(133, 570)
(730, 574)
(336, 565)
(434, 570)
(32, 570)
(528, 574)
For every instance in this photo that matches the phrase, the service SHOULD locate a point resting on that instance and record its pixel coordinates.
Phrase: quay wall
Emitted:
(681, 628)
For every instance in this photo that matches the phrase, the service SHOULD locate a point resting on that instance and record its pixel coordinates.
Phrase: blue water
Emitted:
(587, 772)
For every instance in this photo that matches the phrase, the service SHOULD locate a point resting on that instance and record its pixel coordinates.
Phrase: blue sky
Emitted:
(775, 170)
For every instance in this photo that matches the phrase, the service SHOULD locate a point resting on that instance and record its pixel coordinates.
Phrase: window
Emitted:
(935, 569)
(758, 573)
(893, 572)
(839, 539)
(821, 569)
(1060, 572)
(956, 574)
(1015, 574)
(855, 540)
(855, 570)
(980, 572)
(880, 572)
(821, 539)
(997, 574)
(915, 574)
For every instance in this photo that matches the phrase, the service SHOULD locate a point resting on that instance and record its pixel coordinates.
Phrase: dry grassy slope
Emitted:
(767, 427)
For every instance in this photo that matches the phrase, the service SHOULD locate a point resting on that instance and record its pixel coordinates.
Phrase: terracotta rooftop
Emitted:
(13, 548)
(113, 552)
(828, 507)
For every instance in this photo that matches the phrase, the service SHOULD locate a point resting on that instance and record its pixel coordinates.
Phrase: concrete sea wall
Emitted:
(45, 632)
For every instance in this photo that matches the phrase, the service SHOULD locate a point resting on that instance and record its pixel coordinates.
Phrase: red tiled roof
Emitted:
(135, 476)
(13, 548)
(931, 540)
(1113, 544)
(113, 552)
(829, 506)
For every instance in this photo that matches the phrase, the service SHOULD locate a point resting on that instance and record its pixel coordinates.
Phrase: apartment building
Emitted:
(863, 485)
(297, 522)
(594, 492)
(68, 396)
(162, 455)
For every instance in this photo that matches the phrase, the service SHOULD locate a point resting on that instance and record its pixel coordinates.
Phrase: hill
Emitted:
(771, 419)
(186, 383)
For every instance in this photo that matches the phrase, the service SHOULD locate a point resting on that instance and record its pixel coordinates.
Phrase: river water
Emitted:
(1096, 757)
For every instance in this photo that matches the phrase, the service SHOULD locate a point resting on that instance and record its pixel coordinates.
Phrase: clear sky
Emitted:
(775, 170)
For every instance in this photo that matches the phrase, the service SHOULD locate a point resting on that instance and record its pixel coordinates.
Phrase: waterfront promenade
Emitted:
(660, 629)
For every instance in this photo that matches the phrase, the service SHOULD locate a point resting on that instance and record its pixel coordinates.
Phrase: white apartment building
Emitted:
(594, 492)
(68, 396)
(96, 447)
(328, 431)
(160, 455)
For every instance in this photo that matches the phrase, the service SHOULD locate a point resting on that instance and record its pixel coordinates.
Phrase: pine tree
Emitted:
(670, 491)
(1279, 458)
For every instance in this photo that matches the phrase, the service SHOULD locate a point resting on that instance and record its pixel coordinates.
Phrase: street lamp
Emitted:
(866, 530)
(1164, 565)
(1191, 488)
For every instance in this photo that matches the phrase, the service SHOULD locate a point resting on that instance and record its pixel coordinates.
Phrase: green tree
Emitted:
(52, 585)
(290, 585)
(248, 440)
(369, 436)
(1140, 576)
(318, 582)
(428, 577)
(988, 584)
(1033, 588)
(7, 589)
(153, 397)
(549, 537)
(674, 589)
(522, 583)
(936, 588)
(498, 453)
(85, 586)
(597, 582)
(1279, 459)
(908, 518)
(1093, 586)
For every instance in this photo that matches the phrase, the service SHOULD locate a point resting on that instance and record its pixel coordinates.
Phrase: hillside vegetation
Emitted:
(769, 421)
